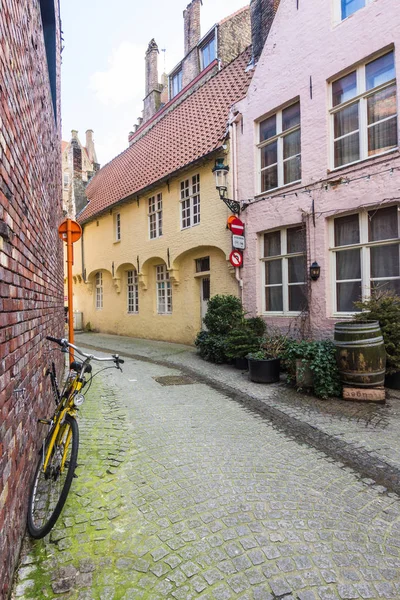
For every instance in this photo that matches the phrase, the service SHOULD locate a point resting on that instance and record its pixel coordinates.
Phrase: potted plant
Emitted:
(384, 307)
(264, 365)
(313, 364)
(240, 342)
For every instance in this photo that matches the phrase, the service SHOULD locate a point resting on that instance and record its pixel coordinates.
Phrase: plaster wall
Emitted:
(305, 49)
(136, 251)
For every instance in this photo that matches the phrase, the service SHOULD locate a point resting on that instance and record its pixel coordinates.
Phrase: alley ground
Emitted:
(187, 489)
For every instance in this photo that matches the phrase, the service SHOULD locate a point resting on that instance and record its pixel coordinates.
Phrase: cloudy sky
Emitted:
(103, 61)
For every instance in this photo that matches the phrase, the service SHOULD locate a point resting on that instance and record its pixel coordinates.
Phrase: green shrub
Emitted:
(212, 347)
(385, 308)
(241, 341)
(321, 358)
(257, 325)
(223, 314)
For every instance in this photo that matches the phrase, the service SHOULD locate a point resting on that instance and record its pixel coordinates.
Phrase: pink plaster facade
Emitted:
(307, 48)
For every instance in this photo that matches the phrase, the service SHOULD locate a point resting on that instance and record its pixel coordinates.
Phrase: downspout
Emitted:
(234, 122)
(83, 254)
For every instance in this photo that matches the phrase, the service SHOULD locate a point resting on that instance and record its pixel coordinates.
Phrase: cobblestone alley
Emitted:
(184, 493)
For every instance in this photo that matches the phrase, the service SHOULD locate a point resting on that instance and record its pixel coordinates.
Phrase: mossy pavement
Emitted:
(185, 493)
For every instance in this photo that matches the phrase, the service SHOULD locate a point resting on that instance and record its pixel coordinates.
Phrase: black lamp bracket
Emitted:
(233, 205)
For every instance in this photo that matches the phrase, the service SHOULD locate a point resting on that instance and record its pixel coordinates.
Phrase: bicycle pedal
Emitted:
(44, 421)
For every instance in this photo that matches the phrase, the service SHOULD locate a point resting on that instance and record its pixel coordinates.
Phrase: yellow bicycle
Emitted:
(59, 452)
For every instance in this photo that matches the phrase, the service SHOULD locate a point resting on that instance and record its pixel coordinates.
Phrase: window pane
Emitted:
(346, 120)
(385, 261)
(268, 128)
(347, 230)
(291, 116)
(297, 269)
(269, 155)
(382, 104)
(380, 71)
(348, 265)
(383, 224)
(272, 243)
(269, 179)
(382, 137)
(296, 240)
(347, 294)
(292, 170)
(298, 297)
(347, 150)
(344, 89)
(273, 299)
(351, 6)
(273, 272)
(392, 285)
(291, 144)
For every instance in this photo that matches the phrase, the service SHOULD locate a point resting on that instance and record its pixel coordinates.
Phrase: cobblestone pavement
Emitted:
(363, 435)
(183, 493)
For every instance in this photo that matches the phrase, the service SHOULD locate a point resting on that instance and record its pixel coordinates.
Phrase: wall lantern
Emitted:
(315, 271)
(221, 183)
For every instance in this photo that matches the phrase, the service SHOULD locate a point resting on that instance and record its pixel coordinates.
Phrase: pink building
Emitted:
(317, 155)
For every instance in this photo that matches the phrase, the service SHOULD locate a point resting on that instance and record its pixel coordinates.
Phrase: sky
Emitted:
(102, 77)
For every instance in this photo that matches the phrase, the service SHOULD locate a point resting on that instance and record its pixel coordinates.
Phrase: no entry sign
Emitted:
(236, 226)
(236, 258)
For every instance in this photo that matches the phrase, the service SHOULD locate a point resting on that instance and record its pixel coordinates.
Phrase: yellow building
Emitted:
(155, 245)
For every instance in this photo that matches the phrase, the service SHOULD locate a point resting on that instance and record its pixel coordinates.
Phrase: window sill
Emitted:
(117, 242)
(130, 314)
(203, 274)
(363, 161)
(268, 193)
(282, 314)
(164, 314)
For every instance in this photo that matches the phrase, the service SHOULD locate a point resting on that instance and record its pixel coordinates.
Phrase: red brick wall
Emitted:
(31, 264)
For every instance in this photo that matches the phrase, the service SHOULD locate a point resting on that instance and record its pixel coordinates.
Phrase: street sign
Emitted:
(76, 230)
(236, 226)
(239, 241)
(236, 258)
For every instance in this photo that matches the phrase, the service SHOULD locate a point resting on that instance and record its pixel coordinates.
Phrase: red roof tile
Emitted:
(186, 133)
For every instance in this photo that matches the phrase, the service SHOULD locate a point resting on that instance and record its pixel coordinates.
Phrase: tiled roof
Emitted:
(191, 130)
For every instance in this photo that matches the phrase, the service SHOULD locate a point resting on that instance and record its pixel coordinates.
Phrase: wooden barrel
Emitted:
(360, 353)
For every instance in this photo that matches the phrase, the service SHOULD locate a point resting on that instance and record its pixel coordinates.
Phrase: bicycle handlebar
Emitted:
(64, 343)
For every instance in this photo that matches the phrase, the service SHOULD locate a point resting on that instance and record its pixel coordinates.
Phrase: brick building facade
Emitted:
(31, 269)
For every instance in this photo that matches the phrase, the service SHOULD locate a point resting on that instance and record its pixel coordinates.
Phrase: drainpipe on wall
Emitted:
(234, 122)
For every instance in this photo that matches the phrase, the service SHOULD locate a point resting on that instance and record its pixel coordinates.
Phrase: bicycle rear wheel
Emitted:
(50, 490)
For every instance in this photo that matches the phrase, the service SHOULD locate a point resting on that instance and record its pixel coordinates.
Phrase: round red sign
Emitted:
(236, 226)
(236, 258)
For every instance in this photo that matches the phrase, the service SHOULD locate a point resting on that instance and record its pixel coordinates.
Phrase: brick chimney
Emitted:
(262, 14)
(191, 17)
(153, 89)
(90, 146)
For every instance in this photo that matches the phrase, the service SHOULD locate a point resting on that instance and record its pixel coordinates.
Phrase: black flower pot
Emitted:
(393, 381)
(265, 370)
(242, 364)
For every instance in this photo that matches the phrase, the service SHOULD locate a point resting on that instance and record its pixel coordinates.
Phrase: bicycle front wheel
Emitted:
(50, 489)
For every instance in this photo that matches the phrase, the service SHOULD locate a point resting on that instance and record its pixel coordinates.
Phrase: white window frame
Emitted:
(117, 227)
(337, 8)
(364, 246)
(176, 77)
(132, 292)
(164, 290)
(284, 256)
(280, 135)
(361, 98)
(155, 216)
(205, 45)
(99, 290)
(66, 179)
(190, 201)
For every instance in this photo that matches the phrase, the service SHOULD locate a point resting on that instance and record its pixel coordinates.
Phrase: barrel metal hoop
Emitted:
(360, 343)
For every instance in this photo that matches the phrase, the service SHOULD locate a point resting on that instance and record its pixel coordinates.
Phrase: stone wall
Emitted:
(31, 269)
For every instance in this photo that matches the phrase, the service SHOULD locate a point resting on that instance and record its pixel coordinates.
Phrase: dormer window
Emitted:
(207, 52)
(176, 83)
